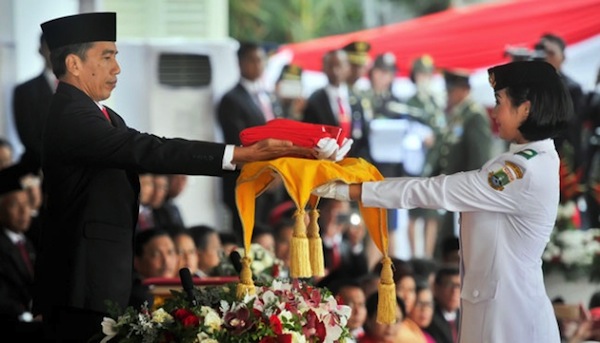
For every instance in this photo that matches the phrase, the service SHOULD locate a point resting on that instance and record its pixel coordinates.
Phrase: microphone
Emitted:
(188, 285)
(236, 260)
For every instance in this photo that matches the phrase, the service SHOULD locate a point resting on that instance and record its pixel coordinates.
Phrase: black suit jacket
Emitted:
(237, 111)
(31, 101)
(440, 328)
(91, 190)
(16, 283)
(318, 110)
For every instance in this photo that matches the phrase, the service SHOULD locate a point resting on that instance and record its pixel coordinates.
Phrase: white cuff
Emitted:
(228, 157)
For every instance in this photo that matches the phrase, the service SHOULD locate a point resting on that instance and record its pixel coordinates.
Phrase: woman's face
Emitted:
(384, 333)
(508, 118)
(406, 290)
(422, 312)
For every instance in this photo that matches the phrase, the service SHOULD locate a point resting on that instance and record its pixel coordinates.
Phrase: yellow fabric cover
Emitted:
(300, 177)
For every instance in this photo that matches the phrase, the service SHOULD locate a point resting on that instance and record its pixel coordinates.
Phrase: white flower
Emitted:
(161, 316)
(211, 318)
(109, 329)
(297, 337)
(204, 338)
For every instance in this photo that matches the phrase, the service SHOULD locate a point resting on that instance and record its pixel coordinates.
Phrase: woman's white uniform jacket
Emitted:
(508, 209)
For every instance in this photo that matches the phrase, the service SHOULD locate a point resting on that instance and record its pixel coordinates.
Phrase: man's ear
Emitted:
(73, 64)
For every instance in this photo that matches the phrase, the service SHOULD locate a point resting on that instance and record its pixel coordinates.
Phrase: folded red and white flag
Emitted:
(329, 141)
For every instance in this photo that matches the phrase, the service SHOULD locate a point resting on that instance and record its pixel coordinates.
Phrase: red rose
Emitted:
(285, 338)
(186, 317)
(191, 321)
(276, 324)
(181, 314)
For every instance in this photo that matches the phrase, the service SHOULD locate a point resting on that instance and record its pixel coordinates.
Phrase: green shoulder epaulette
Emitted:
(527, 153)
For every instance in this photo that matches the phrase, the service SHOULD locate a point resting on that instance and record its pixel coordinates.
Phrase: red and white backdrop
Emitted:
(472, 38)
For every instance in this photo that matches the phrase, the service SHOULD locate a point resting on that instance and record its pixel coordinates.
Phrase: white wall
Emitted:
(19, 41)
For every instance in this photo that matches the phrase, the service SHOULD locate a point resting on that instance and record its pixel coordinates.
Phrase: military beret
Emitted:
(522, 73)
(386, 61)
(358, 52)
(423, 64)
(456, 77)
(80, 28)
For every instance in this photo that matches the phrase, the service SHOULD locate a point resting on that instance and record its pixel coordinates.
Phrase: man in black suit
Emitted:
(31, 101)
(246, 105)
(446, 293)
(17, 255)
(336, 104)
(90, 161)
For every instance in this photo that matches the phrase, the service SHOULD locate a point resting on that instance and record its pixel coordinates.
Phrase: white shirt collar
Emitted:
(253, 87)
(543, 145)
(13, 236)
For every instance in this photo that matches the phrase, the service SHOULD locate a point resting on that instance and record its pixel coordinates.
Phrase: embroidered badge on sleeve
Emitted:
(505, 175)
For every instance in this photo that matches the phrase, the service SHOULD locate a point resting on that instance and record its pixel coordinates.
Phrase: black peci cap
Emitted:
(522, 73)
(80, 28)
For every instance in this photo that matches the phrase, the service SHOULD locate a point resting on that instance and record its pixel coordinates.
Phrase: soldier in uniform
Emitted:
(432, 114)
(358, 56)
(466, 141)
(289, 92)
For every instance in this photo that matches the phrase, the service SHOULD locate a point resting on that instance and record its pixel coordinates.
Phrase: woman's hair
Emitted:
(550, 111)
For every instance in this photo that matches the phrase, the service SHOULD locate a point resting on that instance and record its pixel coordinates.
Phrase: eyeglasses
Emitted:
(450, 285)
(424, 304)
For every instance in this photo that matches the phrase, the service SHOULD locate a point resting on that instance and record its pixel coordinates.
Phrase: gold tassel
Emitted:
(315, 244)
(246, 284)
(386, 307)
(299, 257)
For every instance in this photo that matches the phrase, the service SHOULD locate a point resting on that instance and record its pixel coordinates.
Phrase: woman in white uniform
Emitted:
(508, 209)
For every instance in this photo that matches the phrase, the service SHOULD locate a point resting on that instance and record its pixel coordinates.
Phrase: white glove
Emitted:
(333, 190)
(343, 150)
(327, 149)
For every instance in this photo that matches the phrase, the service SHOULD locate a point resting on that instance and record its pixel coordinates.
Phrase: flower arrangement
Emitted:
(265, 266)
(278, 312)
(573, 251)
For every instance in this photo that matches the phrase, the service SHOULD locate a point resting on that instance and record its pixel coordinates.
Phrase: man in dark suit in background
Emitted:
(336, 104)
(90, 161)
(246, 105)
(446, 293)
(31, 100)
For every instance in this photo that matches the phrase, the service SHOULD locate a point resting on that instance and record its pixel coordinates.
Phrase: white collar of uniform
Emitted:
(13, 236)
(253, 87)
(543, 145)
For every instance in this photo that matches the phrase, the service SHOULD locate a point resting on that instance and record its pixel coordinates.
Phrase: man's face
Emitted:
(15, 211)
(159, 258)
(97, 74)
(337, 68)
(5, 157)
(447, 293)
(554, 55)
(252, 64)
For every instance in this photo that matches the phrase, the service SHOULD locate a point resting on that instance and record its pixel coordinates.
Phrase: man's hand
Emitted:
(269, 149)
